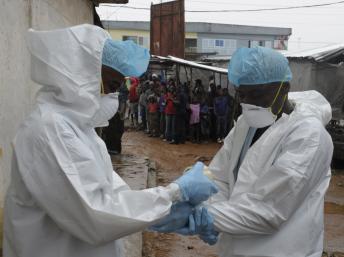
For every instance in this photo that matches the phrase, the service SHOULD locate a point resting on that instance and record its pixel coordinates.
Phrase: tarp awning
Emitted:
(321, 54)
(191, 64)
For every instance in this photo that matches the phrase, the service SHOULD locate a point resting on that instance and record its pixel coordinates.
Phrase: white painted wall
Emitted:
(17, 92)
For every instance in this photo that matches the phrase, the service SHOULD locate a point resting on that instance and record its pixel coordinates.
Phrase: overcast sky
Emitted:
(311, 27)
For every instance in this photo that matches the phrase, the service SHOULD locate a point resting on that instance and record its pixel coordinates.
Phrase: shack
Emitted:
(322, 69)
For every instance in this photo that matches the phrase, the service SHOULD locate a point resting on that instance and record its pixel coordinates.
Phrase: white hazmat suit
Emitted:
(275, 208)
(64, 199)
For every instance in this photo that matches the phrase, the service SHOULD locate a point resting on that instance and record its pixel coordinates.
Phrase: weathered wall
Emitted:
(326, 78)
(16, 89)
(231, 41)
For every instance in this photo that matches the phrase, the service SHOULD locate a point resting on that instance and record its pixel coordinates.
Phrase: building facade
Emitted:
(206, 39)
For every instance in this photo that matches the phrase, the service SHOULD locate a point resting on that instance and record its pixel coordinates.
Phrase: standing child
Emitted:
(221, 111)
(205, 121)
(153, 110)
(170, 112)
(143, 105)
(134, 101)
(162, 106)
(195, 127)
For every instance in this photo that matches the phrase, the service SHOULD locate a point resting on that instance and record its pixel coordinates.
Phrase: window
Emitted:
(207, 43)
(253, 43)
(219, 43)
(133, 38)
(268, 44)
(190, 42)
(138, 40)
(191, 45)
(230, 46)
(281, 44)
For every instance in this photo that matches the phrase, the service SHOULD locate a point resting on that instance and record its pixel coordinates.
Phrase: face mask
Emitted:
(256, 116)
(260, 117)
(108, 108)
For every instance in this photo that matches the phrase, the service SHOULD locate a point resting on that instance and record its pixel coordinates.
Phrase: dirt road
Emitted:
(171, 161)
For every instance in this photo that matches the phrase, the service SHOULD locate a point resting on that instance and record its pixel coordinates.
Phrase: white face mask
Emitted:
(260, 117)
(256, 116)
(108, 108)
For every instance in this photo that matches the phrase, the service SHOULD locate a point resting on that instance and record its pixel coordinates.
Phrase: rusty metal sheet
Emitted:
(168, 29)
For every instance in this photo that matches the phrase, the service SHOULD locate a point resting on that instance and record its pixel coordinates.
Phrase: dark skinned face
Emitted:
(112, 79)
(263, 95)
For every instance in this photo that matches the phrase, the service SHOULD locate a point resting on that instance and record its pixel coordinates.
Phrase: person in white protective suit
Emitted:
(274, 167)
(64, 199)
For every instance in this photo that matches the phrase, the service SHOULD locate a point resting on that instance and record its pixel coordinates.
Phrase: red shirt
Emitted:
(170, 109)
(133, 96)
(153, 107)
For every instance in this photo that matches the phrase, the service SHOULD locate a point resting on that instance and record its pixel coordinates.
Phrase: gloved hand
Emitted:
(201, 223)
(195, 186)
(178, 218)
(204, 226)
(210, 238)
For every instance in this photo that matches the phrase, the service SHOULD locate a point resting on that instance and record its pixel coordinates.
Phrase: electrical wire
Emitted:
(239, 10)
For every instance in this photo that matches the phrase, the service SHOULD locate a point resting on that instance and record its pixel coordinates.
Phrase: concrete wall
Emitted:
(118, 34)
(16, 89)
(231, 42)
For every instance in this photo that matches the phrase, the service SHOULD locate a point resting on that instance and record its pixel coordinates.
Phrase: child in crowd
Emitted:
(153, 115)
(143, 104)
(221, 111)
(170, 112)
(195, 121)
(205, 121)
(162, 106)
(134, 101)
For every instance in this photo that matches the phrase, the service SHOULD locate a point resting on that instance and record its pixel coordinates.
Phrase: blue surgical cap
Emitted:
(258, 65)
(125, 57)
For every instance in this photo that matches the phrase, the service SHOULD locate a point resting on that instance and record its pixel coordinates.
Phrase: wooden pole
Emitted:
(191, 74)
(186, 73)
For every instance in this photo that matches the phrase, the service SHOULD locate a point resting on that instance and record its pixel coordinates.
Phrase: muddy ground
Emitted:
(170, 162)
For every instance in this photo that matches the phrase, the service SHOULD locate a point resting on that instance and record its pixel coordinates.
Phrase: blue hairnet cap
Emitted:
(125, 57)
(258, 65)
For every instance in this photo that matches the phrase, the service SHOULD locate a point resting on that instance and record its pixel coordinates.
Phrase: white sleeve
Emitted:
(66, 180)
(302, 163)
(219, 167)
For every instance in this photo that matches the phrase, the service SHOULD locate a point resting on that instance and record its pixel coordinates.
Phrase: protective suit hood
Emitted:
(70, 72)
(312, 104)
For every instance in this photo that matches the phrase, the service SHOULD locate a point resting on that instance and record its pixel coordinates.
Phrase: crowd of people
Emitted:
(177, 112)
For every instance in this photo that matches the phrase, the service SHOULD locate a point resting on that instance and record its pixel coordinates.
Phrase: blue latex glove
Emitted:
(204, 226)
(177, 219)
(201, 223)
(210, 238)
(195, 186)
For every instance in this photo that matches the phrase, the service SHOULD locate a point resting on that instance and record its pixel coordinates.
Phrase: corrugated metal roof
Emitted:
(319, 54)
(97, 2)
(191, 64)
(221, 58)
